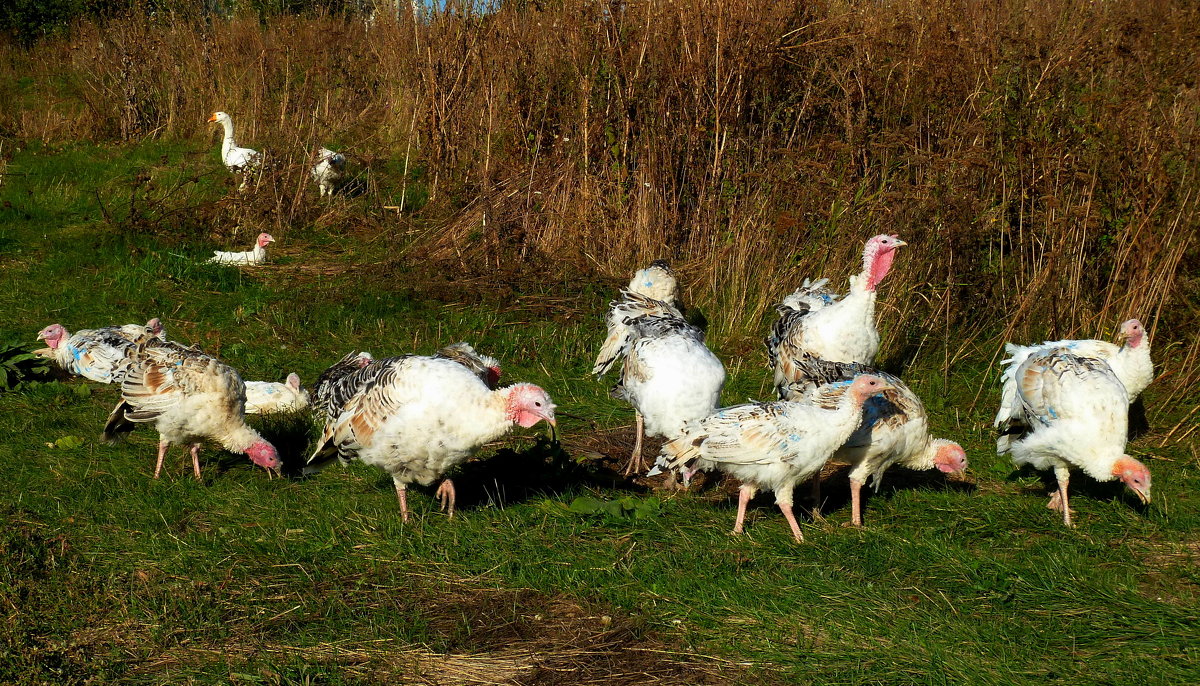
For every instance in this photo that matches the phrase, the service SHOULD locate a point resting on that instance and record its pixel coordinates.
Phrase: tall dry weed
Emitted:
(1040, 158)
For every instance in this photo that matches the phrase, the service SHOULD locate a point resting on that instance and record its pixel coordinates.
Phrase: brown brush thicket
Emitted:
(1039, 157)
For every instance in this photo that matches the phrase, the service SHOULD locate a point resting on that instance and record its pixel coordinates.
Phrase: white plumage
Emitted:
(95, 354)
(669, 375)
(189, 397)
(1069, 412)
(1129, 361)
(416, 417)
(770, 445)
(894, 429)
(263, 397)
(238, 160)
(828, 326)
(658, 282)
(256, 255)
(328, 171)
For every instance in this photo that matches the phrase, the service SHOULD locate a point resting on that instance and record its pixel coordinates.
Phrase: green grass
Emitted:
(113, 576)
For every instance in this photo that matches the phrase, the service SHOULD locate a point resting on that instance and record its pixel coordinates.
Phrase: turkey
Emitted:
(333, 388)
(894, 429)
(1068, 411)
(241, 161)
(264, 397)
(94, 354)
(256, 255)
(658, 282)
(416, 417)
(328, 171)
(669, 375)
(770, 445)
(1129, 361)
(828, 326)
(189, 397)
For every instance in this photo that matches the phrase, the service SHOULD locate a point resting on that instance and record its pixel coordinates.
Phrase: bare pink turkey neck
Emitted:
(877, 262)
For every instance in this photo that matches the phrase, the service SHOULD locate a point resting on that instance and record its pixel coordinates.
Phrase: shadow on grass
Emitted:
(544, 469)
(835, 490)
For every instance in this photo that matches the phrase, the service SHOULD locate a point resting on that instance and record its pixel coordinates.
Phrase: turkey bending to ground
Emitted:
(669, 375)
(1066, 412)
(189, 397)
(770, 445)
(95, 354)
(894, 429)
(828, 326)
(416, 417)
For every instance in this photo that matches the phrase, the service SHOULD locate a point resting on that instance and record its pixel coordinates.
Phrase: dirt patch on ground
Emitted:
(487, 636)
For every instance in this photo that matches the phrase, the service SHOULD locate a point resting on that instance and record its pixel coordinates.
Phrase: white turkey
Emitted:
(263, 397)
(1066, 412)
(188, 397)
(333, 387)
(658, 282)
(256, 255)
(417, 417)
(337, 384)
(770, 445)
(328, 171)
(243, 161)
(839, 328)
(669, 375)
(95, 354)
(894, 429)
(1129, 361)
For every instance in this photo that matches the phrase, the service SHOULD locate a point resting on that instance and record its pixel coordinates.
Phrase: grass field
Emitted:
(111, 576)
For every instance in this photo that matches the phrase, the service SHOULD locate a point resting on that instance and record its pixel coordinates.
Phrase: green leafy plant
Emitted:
(18, 366)
(624, 507)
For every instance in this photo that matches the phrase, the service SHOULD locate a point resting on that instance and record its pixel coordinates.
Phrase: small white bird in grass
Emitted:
(189, 397)
(328, 171)
(894, 430)
(264, 397)
(770, 445)
(829, 326)
(417, 417)
(1130, 361)
(1069, 412)
(256, 255)
(669, 375)
(95, 354)
(243, 161)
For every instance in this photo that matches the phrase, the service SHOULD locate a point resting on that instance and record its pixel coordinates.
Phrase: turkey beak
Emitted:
(41, 335)
(884, 386)
(900, 243)
(1143, 495)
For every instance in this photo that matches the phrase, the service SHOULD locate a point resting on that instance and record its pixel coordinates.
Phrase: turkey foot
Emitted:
(445, 496)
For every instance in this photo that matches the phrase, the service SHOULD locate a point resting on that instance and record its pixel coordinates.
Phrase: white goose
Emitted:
(256, 255)
(237, 160)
